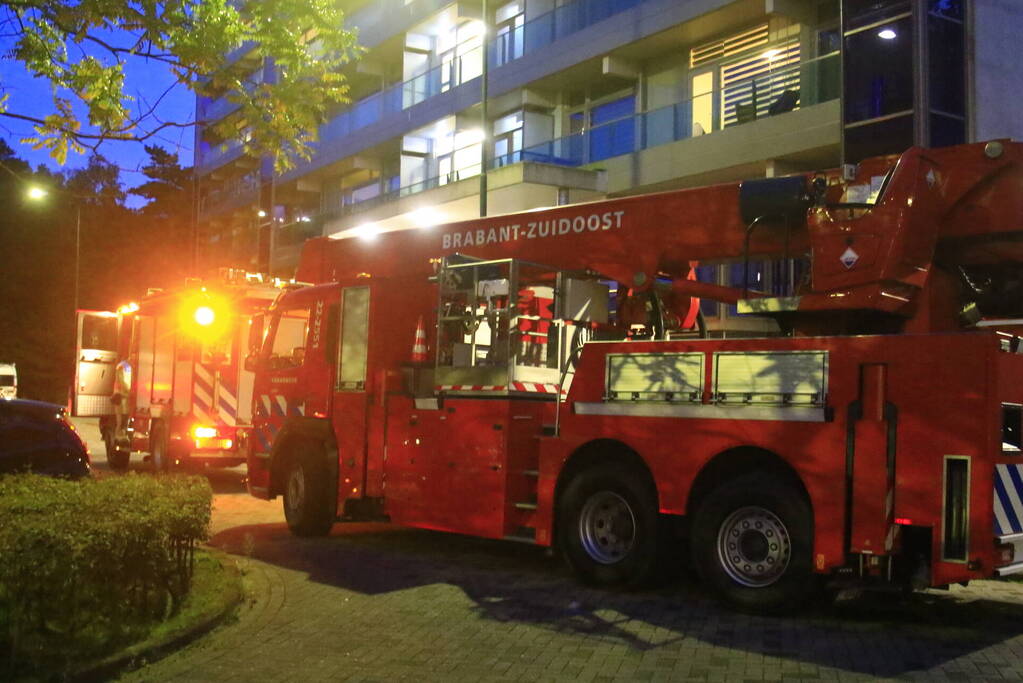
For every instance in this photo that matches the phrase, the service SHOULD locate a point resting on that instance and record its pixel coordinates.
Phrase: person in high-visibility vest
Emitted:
(120, 399)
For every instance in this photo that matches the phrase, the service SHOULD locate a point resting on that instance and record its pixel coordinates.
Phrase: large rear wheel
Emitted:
(608, 526)
(752, 540)
(308, 505)
(159, 447)
(117, 458)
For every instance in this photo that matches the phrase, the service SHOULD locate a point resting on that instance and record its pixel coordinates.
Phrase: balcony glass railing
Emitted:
(555, 25)
(534, 34)
(212, 155)
(295, 233)
(214, 110)
(799, 85)
(401, 96)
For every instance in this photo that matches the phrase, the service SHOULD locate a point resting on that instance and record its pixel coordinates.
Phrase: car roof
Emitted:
(29, 407)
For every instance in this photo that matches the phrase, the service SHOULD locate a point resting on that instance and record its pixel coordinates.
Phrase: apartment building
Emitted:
(587, 99)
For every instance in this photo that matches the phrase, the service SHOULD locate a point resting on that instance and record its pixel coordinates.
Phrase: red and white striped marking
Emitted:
(529, 387)
(536, 387)
(470, 387)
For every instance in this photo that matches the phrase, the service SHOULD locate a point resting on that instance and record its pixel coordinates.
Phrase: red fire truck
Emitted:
(577, 394)
(166, 374)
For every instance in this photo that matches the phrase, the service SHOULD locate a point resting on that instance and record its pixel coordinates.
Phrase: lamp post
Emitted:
(484, 157)
(36, 194)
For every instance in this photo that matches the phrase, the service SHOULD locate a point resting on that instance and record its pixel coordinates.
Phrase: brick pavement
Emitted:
(379, 603)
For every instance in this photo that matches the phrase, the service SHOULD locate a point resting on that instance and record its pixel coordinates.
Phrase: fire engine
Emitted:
(166, 375)
(552, 377)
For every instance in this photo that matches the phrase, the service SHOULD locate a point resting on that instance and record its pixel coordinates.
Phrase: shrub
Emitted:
(86, 565)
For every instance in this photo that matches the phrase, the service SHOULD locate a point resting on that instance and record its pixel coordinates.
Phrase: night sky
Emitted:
(144, 81)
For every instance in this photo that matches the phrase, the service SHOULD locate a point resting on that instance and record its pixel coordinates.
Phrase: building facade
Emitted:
(589, 99)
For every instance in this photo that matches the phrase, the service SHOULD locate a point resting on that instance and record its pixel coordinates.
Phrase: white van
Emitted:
(8, 380)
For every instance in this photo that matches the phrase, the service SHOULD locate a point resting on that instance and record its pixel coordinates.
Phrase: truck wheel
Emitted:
(117, 459)
(608, 526)
(159, 448)
(752, 540)
(308, 507)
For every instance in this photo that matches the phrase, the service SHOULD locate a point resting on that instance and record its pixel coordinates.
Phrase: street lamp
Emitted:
(36, 194)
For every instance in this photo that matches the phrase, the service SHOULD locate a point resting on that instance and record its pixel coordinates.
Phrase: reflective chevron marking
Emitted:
(1007, 499)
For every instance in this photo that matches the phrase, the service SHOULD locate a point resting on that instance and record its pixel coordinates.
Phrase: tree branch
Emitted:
(119, 134)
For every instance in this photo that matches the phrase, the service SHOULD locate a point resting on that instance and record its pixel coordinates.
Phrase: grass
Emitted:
(216, 590)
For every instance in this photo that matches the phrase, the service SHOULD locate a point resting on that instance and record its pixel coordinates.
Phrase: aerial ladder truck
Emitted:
(547, 377)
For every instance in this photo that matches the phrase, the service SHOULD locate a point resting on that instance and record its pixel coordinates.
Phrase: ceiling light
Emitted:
(366, 231)
(426, 217)
(887, 34)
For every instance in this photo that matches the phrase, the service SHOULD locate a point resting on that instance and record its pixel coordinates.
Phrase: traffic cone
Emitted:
(419, 345)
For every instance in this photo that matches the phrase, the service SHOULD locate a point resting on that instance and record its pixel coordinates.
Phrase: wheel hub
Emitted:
(296, 490)
(607, 527)
(754, 547)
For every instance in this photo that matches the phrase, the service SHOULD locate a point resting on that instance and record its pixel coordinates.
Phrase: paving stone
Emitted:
(374, 602)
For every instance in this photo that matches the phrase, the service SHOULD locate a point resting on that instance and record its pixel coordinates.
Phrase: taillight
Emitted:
(1004, 554)
(212, 438)
(200, 432)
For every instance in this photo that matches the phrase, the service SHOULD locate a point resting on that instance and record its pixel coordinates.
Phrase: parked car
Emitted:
(8, 380)
(38, 437)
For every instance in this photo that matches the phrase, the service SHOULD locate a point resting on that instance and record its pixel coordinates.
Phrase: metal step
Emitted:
(523, 534)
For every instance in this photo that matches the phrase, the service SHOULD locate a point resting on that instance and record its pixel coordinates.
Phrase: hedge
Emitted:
(88, 566)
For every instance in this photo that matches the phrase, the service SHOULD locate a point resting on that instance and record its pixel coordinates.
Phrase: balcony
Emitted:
(391, 104)
(209, 157)
(209, 109)
(559, 23)
(792, 87)
(230, 194)
(789, 88)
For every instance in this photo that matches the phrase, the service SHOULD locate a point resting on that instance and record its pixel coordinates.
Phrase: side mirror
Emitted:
(252, 362)
(255, 341)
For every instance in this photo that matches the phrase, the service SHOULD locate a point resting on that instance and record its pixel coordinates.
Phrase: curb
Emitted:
(154, 649)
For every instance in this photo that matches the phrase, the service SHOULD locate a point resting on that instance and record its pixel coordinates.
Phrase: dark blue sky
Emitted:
(145, 81)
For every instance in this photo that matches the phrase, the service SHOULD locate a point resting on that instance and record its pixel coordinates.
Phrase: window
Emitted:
(946, 73)
(351, 374)
(509, 26)
(728, 47)
(702, 86)
(756, 77)
(99, 333)
(508, 139)
(288, 350)
(1012, 420)
(761, 84)
(879, 78)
